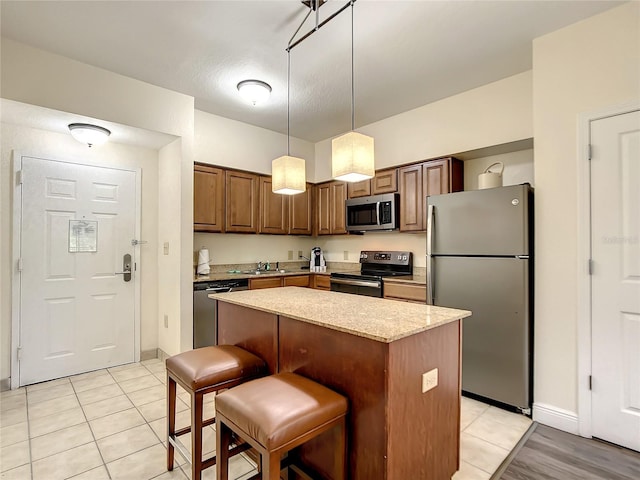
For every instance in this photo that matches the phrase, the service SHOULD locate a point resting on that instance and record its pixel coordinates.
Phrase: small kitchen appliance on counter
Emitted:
(374, 265)
(317, 263)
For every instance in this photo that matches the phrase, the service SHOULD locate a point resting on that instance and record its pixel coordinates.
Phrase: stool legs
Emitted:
(223, 436)
(196, 434)
(171, 420)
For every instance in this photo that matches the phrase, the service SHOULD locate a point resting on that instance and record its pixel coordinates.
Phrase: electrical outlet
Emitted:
(166, 321)
(299, 253)
(429, 380)
(346, 255)
(290, 255)
(166, 248)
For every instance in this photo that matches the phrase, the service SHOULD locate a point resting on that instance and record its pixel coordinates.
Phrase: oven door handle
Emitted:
(218, 289)
(356, 283)
(378, 213)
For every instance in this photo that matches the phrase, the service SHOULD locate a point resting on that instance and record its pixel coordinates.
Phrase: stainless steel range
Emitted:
(374, 266)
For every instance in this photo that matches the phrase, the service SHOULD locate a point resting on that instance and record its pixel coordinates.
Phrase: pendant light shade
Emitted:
(288, 175)
(352, 157)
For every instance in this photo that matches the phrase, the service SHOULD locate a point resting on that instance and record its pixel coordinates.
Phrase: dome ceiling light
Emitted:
(254, 91)
(89, 134)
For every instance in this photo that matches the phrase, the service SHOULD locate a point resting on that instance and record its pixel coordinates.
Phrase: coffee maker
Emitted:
(317, 263)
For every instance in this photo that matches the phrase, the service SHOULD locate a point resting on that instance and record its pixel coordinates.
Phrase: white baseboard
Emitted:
(556, 417)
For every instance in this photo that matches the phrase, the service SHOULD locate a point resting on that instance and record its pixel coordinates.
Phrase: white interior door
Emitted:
(76, 313)
(615, 243)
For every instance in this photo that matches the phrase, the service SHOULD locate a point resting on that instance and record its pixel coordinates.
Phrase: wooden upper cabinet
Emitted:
(359, 189)
(411, 199)
(208, 199)
(330, 208)
(416, 182)
(300, 212)
(339, 217)
(242, 194)
(385, 181)
(274, 210)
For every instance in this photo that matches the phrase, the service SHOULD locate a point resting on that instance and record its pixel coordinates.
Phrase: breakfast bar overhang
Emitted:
(373, 351)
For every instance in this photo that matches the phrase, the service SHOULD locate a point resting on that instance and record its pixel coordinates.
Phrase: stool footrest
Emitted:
(184, 430)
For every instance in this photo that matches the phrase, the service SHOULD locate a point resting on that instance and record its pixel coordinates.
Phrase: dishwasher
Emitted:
(205, 328)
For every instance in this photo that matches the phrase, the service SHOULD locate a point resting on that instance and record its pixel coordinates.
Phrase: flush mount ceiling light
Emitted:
(352, 157)
(254, 91)
(288, 173)
(89, 134)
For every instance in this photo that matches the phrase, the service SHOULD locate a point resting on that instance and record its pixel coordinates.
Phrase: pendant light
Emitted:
(352, 154)
(287, 172)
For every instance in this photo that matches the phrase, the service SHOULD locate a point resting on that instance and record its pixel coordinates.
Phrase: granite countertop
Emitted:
(379, 319)
(267, 273)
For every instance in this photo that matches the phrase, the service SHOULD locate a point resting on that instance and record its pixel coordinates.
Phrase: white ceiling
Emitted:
(407, 53)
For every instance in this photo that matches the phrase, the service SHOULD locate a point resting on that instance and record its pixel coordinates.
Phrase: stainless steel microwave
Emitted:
(375, 212)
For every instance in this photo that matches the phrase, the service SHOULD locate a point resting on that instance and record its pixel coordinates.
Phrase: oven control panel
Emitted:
(386, 258)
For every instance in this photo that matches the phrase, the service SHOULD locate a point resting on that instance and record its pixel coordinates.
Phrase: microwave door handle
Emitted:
(378, 205)
(430, 285)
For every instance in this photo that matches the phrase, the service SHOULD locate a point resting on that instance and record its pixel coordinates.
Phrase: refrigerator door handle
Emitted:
(429, 255)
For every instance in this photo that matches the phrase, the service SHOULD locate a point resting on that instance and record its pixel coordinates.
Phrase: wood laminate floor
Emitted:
(550, 454)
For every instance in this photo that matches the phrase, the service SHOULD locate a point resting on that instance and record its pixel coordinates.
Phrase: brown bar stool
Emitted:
(201, 371)
(276, 414)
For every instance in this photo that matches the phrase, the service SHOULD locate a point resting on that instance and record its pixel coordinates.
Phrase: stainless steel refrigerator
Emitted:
(480, 258)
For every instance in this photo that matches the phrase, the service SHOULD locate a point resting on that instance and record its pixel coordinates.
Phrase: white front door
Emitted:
(77, 312)
(615, 244)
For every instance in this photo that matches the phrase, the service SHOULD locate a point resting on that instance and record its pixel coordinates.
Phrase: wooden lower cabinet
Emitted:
(268, 282)
(279, 281)
(405, 291)
(321, 282)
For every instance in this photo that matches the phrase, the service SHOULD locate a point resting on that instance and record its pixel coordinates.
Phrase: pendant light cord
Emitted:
(288, 95)
(353, 109)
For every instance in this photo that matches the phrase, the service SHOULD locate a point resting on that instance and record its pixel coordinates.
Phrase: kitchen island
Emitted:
(373, 351)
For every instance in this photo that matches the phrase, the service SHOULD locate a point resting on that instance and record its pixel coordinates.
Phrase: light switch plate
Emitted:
(166, 248)
(346, 255)
(429, 380)
(290, 255)
(166, 321)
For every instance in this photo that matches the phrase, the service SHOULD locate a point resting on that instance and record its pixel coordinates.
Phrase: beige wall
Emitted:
(36, 77)
(590, 65)
(228, 143)
(46, 144)
(497, 113)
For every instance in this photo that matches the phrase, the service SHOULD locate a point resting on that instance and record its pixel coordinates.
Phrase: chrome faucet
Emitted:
(302, 256)
(259, 268)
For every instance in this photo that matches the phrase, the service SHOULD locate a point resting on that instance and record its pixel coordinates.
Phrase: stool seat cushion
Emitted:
(277, 409)
(207, 366)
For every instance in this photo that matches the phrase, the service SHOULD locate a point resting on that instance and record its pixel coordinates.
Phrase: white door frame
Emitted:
(16, 277)
(584, 254)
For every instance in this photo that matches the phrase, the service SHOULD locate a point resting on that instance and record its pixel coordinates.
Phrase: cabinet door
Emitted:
(435, 176)
(405, 292)
(323, 203)
(242, 194)
(274, 209)
(208, 199)
(300, 212)
(270, 282)
(411, 198)
(359, 189)
(321, 282)
(338, 208)
(296, 281)
(385, 181)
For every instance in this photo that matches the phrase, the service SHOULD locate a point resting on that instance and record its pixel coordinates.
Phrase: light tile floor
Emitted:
(111, 424)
